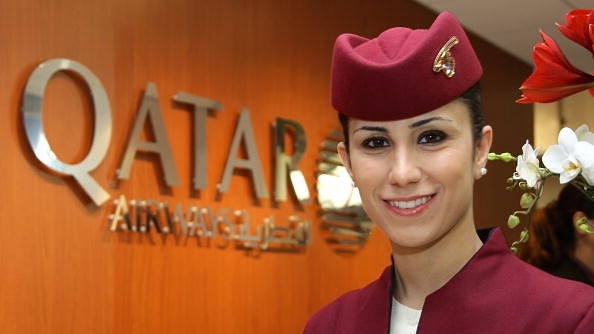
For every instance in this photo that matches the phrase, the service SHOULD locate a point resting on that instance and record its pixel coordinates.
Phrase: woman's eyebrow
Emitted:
(371, 128)
(378, 128)
(427, 120)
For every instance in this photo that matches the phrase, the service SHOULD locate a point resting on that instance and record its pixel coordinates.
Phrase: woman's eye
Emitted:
(376, 142)
(431, 137)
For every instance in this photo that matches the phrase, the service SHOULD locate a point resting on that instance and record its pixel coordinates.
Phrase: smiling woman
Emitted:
(386, 159)
(415, 157)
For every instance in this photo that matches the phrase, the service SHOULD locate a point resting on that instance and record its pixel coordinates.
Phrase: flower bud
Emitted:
(507, 157)
(524, 236)
(526, 200)
(513, 221)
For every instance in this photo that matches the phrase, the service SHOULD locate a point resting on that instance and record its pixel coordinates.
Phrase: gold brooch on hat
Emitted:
(444, 60)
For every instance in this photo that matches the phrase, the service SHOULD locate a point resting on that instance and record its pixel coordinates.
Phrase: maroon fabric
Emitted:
(494, 293)
(391, 77)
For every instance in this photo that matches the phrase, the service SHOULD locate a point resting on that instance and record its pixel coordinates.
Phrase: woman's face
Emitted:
(416, 175)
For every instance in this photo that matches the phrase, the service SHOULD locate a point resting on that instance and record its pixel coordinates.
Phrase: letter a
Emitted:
(244, 130)
(150, 107)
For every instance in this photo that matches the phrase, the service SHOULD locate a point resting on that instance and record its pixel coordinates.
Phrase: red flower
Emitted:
(553, 77)
(579, 27)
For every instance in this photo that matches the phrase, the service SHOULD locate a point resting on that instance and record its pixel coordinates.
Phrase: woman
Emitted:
(414, 144)
(556, 242)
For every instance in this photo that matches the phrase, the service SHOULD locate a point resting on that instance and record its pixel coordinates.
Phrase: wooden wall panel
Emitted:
(63, 271)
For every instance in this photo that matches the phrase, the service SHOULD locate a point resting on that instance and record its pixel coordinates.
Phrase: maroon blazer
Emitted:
(495, 292)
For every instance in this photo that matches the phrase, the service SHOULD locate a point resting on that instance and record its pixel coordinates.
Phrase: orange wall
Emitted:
(63, 271)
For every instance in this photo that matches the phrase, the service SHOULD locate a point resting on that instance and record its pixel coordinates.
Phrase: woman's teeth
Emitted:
(410, 204)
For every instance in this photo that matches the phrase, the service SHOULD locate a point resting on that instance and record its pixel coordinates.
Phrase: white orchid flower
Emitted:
(568, 157)
(528, 165)
(584, 153)
(583, 134)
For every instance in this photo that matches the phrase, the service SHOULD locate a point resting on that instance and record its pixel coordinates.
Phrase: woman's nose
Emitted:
(404, 169)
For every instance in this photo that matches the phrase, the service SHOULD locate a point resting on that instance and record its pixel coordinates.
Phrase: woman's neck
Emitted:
(420, 273)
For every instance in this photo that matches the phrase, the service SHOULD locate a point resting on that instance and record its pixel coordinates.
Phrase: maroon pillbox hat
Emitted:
(403, 72)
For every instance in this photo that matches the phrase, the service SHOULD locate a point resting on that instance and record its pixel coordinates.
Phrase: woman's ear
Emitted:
(580, 218)
(482, 150)
(344, 156)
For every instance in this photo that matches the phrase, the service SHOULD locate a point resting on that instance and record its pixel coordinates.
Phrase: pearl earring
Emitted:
(483, 171)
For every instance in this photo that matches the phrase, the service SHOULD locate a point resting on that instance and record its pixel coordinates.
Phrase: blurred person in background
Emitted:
(556, 243)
